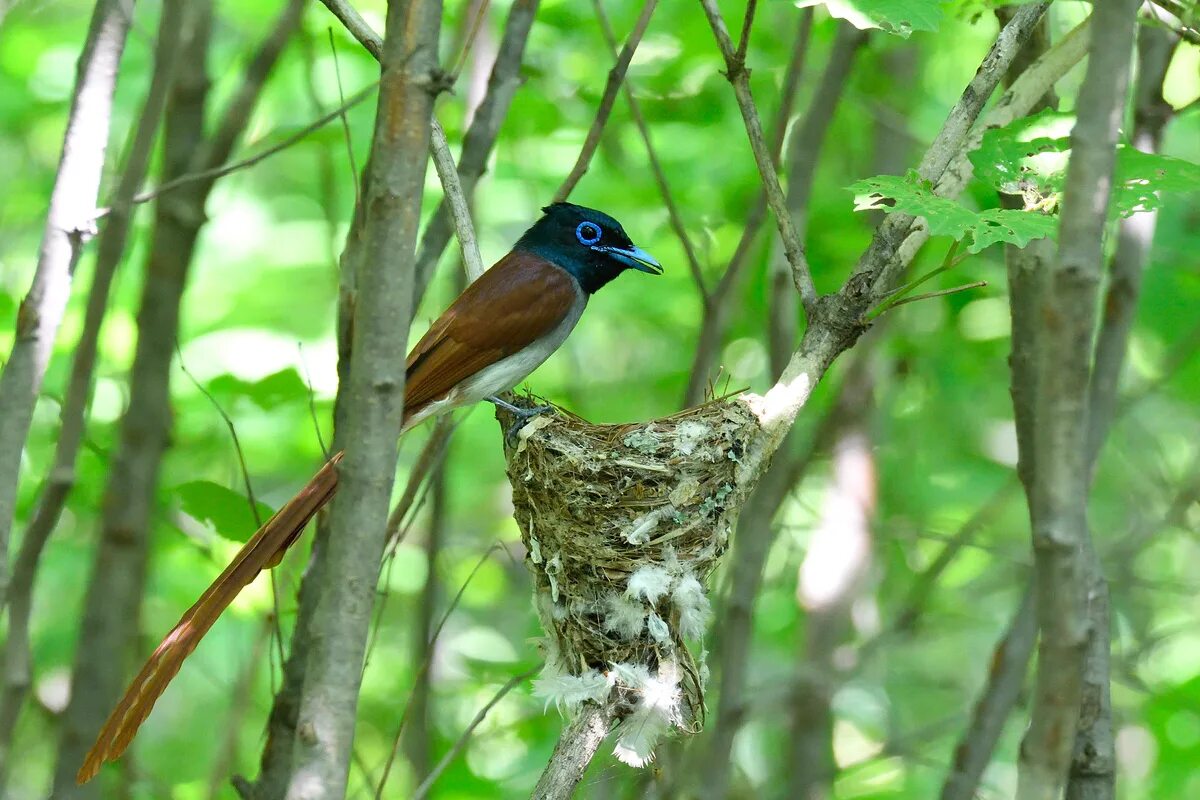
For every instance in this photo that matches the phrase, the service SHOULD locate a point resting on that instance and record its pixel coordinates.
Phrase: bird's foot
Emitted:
(523, 415)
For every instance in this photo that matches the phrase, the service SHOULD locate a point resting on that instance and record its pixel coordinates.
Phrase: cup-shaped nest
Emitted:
(623, 524)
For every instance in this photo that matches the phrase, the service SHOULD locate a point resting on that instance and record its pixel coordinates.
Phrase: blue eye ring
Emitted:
(588, 233)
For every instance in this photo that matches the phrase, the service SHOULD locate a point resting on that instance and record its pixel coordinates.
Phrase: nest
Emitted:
(623, 525)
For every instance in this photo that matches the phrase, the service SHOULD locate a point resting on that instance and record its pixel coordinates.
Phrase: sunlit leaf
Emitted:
(279, 388)
(900, 17)
(1029, 157)
(910, 195)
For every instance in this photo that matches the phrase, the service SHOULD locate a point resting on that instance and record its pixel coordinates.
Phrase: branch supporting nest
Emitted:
(623, 524)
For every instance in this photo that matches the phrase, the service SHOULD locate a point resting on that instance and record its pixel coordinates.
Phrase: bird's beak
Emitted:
(637, 258)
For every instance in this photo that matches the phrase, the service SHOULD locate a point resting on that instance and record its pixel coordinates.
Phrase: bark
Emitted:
(1093, 762)
(804, 153)
(575, 749)
(1065, 318)
(381, 252)
(61, 479)
(68, 223)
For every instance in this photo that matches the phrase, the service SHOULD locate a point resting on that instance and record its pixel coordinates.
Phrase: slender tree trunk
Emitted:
(68, 223)
(60, 481)
(113, 597)
(371, 402)
(1063, 326)
(109, 627)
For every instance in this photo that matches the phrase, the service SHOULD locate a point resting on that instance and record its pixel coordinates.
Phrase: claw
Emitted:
(523, 415)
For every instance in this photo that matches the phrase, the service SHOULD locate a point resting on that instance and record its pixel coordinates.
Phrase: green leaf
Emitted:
(900, 17)
(1029, 157)
(277, 389)
(910, 195)
(224, 510)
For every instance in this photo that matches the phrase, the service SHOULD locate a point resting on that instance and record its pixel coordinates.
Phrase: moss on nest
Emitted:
(623, 525)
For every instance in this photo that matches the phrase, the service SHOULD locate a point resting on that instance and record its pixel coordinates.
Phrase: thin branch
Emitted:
(337, 73)
(443, 162)
(71, 206)
(254, 77)
(927, 295)
(660, 177)
(459, 745)
(480, 137)
(476, 25)
(213, 173)
(358, 27)
(717, 310)
(616, 76)
(747, 24)
(110, 250)
(576, 747)
(804, 153)
(739, 77)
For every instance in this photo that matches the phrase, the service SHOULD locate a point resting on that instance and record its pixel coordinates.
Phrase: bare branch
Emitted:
(616, 77)
(660, 177)
(481, 135)
(443, 162)
(110, 250)
(716, 316)
(1064, 325)
(576, 746)
(804, 153)
(356, 25)
(739, 77)
(71, 207)
(221, 171)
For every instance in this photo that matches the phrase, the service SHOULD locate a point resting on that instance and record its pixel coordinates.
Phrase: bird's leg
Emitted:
(523, 415)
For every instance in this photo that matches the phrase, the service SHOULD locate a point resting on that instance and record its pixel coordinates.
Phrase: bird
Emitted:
(497, 332)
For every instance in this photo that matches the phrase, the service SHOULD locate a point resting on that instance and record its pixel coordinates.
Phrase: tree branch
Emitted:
(379, 252)
(71, 207)
(616, 77)
(576, 747)
(1064, 325)
(443, 162)
(660, 177)
(61, 478)
(481, 135)
(720, 300)
(739, 77)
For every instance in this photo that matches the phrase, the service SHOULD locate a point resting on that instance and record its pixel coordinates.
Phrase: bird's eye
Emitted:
(588, 233)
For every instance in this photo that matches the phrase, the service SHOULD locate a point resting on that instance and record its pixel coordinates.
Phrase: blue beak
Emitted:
(635, 257)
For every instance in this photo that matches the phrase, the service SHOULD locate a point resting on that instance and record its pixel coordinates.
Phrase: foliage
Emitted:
(1029, 157)
(981, 229)
(899, 17)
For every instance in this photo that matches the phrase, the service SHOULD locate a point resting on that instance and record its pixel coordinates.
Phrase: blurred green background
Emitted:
(257, 332)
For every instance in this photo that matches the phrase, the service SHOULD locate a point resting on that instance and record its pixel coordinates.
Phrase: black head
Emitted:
(589, 244)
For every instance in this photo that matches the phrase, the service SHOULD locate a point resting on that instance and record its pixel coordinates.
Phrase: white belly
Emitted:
(507, 372)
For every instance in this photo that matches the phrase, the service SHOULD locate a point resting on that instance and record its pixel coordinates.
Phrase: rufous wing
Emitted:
(520, 299)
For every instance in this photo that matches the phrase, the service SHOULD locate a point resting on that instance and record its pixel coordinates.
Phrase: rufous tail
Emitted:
(264, 550)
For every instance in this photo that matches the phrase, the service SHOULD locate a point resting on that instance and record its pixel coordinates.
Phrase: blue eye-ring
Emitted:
(588, 233)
